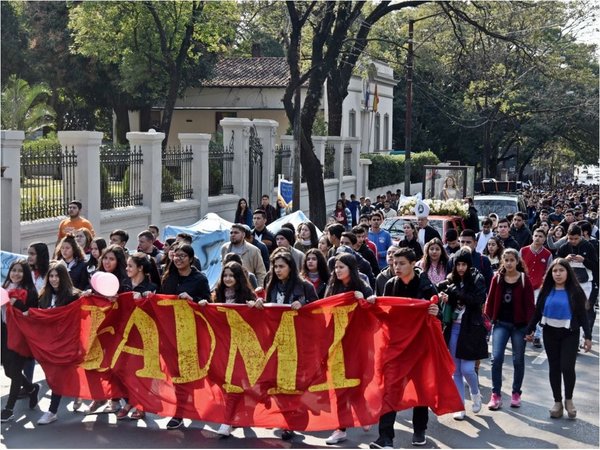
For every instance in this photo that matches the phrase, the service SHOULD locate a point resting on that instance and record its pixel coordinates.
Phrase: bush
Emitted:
(387, 170)
(168, 185)
(50, 141)
(106, 199)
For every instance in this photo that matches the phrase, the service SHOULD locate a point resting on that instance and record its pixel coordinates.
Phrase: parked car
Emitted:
(502, 205)
(441, 223)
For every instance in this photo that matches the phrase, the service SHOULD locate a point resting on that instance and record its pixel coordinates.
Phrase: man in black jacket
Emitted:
(581, 256)
(365, 251)
(407, 282)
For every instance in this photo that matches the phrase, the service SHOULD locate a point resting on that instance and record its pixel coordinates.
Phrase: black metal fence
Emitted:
(347, 159)
(120, 176)
(47, 182)
(177, 173)
(283, 163)
(220, 165)
(328, 170)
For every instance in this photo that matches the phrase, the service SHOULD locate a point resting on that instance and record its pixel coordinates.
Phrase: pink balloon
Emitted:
(105, 283)
(4, 298)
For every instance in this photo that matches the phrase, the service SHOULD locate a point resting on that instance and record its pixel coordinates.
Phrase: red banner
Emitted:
(333, 363)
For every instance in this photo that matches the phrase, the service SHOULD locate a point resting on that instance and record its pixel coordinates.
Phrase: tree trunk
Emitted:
(122, 127)
(335, 100)
(169, 107)
(145, 118)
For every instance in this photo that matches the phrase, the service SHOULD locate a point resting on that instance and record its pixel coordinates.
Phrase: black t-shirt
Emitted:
(506, 313)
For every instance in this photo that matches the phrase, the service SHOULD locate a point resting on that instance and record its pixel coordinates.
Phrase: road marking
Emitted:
(540, 359)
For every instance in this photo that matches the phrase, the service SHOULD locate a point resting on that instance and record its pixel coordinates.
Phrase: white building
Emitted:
(253, 88)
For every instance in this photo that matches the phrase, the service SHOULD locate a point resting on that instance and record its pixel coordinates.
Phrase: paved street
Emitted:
(526, 427)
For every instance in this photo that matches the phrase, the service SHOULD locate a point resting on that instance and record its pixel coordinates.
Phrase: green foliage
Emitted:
(50, 141)
(169, 185)
(24, 107)
(387, 170)
(215, 169)
(106, 198)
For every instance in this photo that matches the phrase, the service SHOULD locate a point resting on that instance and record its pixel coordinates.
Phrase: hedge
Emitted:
(386, 170)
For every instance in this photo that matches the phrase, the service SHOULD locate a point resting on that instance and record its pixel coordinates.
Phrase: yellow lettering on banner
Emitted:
(95, 354)
(245, 341)
(149, 351)
(187, 341)
(336, 366)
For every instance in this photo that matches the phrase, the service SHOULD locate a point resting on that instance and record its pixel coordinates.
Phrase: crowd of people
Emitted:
(530, 277)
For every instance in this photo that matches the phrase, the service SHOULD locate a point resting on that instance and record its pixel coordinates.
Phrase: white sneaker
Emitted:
(476, 398)
(336, 437)
(47, 418)
(459, 415)
(224, 430)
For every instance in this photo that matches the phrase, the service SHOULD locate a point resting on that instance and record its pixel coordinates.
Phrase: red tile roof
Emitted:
(250, 72)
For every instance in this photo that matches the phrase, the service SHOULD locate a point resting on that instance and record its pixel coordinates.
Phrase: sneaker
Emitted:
(47, 418)
(33, 396)
(123, 413)
(366, 428)
(515, 400)
(174, 423)
(537, 342)
(224, 430)
(95, 406)
(476, 402)
(287, 435)
(380, 443)
(419, 438)
(336, 437)
(112, 406)
(459, 415)
(137, 415)
(6, 415)
(23, 393)
(495, 402)
(77, 404)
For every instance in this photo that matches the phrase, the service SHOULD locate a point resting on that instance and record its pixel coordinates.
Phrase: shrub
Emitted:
(387, 170)
(106, 199)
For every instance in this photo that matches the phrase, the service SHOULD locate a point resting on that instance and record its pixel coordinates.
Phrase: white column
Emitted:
(240, 130)
(287, 164)
(319, 146)
(338, 163)
(362, 177)
(356, 148)
(151, 183)
(266, 130)
(199, 144)
(87, 172)
(10, 156)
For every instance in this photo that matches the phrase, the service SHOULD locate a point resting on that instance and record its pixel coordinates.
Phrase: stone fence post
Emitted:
(266, 130)
(199, 144)
(10, 156)
(150, 143)
(240, 130)
(86, 145)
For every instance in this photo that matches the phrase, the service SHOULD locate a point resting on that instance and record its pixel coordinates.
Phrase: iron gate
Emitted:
(256, 170)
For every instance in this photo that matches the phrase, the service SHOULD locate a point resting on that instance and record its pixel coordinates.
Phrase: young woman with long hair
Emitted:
(22, 295)
(58, 291)
(84, 237)
(96, 248)
(114, 260)
(243, 214)
(307, 237)
(315, 270)
(434, 261)
(233, 287)
(493, 250)
(69, 251)
(411, 239)
(464, 294)
(510, 306)
(188, 283)
(342, 215)
(560, 309)
(38, 258)
(345, 278)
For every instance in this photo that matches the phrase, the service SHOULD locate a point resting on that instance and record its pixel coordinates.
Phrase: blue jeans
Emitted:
(500, 335)
(463, 368)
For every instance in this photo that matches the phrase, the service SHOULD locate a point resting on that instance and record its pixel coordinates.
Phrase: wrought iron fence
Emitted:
(220, 164)
(47, 181)
(328, 171)
(176, 173)
(283, 162)
(348, 159)
(120, 176)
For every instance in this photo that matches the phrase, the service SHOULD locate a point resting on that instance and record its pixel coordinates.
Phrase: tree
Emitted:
(24, 107)
(159, 48)
(329, 24)
(13, 42)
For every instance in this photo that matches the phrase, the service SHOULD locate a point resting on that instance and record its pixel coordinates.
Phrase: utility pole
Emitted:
(408, 120)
